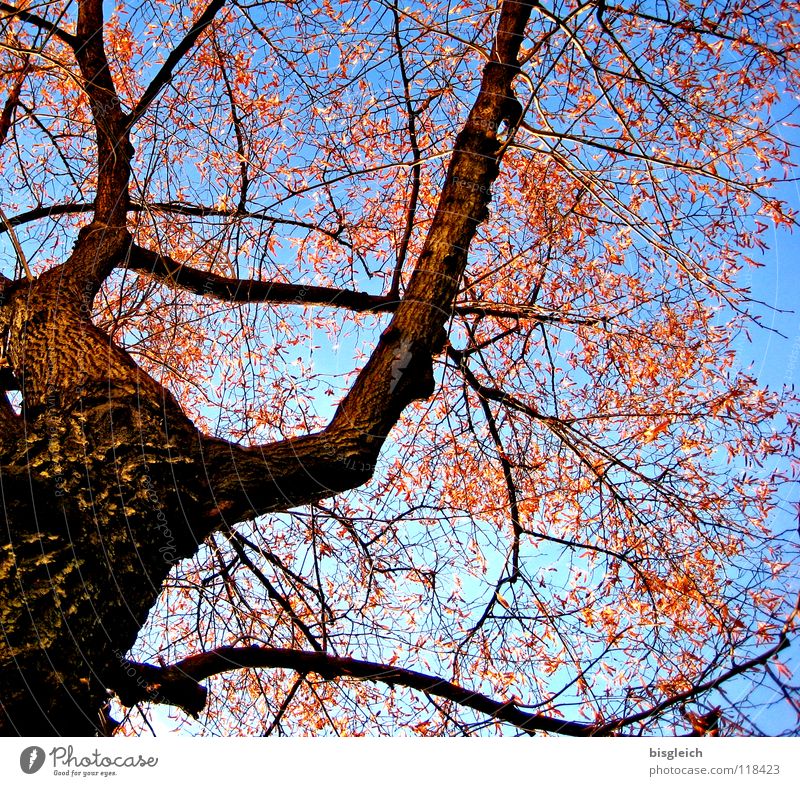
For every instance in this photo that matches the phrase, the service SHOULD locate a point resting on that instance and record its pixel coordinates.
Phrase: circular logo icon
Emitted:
(31, 759)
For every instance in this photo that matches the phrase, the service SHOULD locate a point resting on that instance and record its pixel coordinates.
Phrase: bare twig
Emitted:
(17, 246)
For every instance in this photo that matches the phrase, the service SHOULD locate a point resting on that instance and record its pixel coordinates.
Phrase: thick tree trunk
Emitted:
(102, 492)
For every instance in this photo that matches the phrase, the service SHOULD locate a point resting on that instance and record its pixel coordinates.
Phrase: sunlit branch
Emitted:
(790, 693)
(646, 232)
(64, 160)
(600, 16)
(485, 614)
(581, 546)
(356, 173)
(114, 151)
(350, 528)
(568, 436)
(493, 394)
(522, 311)
(61, 66)
(446, 31)
(601, 86)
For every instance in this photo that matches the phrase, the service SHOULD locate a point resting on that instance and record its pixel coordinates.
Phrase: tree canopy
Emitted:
(369, 367)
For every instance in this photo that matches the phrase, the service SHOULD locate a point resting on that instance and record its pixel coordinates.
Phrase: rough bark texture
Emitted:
(105, 482)
(103, 489)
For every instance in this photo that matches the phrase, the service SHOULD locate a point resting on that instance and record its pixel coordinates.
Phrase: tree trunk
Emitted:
(102, 492)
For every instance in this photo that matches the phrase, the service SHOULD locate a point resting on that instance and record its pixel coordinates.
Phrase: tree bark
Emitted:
(103, 490)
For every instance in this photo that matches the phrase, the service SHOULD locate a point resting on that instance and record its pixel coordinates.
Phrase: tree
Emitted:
(352, 345)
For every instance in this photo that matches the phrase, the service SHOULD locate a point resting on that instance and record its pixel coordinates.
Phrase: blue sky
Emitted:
(773, 355)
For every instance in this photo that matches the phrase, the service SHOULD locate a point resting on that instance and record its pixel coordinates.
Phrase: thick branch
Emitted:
(114, 151)
(308, 468)
(246, 290)
(178, 684)
(237, 290)
(398, 371)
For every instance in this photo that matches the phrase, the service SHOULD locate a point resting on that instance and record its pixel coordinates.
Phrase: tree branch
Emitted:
(305, 469)
(179, 208)
(12, 102)
(411, 122)
(264, 478)
(274, 595)
(23, 262)
(163, 77)
(39, 22)
(276, 721)
(178, 684)
(114, 151)
(691, 693)
(511, 488)
(244, 290)
(236, 290)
